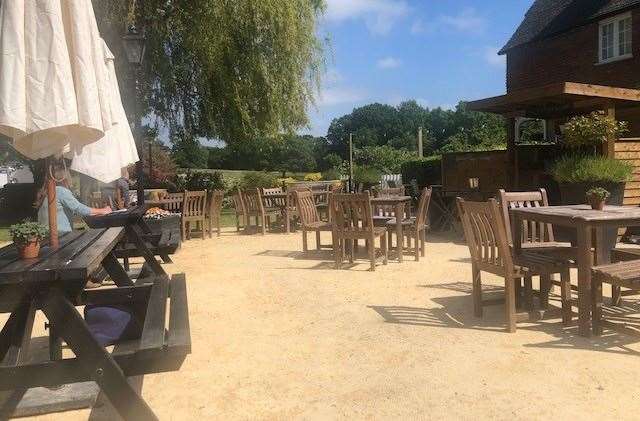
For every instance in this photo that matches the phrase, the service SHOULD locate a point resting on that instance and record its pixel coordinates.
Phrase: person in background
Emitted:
(67, 204)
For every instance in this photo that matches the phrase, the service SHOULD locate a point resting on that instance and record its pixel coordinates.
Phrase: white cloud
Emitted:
(378, 15)
(490, 55)
(389, 63)
(468, 20)
(332, 96)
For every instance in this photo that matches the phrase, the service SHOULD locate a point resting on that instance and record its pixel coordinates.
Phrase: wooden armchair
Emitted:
(310, 218)
(214, 209)
(193, 211)
(254, 207)
(353, 221)
(273, 200)
(486, 237)
(415, 227)
(172, 202)
(239, 209)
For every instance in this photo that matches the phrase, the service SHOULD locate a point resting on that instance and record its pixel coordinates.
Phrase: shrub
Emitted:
(592, 130)
(257, 180)
(385, 159)
(198, 181)
(366, 175)
(332, 174)
(27, 231)
(426, 171)
(313, 177)
(584, 169)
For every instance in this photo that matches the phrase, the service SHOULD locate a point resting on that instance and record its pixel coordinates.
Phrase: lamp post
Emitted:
(134, 46)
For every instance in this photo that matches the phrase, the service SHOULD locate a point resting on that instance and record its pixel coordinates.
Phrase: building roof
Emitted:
(546, 18)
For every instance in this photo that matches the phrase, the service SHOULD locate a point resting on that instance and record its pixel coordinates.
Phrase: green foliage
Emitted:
(198, 181)
(333, 160)
(189, 153)
(258, 180)
(313, 177)
(579, 168)
(366, 175)
(592, 130)
(231, 70)
(426, 171)
(598, 193)
(27, 231)
(332, 174)
(385, 158)
(293, 154)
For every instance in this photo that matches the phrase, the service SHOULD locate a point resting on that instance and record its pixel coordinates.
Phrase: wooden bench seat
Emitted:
(160, 349)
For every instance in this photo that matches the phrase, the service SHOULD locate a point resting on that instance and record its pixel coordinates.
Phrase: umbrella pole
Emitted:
(53, 207)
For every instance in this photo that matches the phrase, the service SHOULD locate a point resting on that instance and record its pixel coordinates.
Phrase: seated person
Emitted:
(67, 204)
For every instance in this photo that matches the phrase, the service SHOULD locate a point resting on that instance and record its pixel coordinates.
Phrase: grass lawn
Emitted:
(4, 235)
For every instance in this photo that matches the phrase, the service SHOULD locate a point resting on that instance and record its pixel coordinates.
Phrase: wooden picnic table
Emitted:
(590, 225)
(55, 283)
(398, 203)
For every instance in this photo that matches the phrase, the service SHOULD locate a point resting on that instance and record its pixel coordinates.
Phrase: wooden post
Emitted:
(611, 143)
(351, 180)
(420, 144)
(52, 203)
(512, 153)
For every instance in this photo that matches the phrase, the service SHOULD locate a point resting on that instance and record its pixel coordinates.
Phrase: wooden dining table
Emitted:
(398, 203)
(591, 227)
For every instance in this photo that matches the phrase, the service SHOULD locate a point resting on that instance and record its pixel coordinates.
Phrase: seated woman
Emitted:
(67, 204)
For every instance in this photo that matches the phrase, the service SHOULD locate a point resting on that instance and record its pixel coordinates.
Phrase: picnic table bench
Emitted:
(54, 283)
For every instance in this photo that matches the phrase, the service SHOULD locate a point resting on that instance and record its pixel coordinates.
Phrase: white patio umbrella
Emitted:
(58, 92)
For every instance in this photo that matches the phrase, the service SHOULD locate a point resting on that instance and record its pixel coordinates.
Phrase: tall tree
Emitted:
(223, 69)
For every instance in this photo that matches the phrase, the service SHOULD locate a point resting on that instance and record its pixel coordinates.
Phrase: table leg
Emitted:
(147, 230)
(585, 263)
(116, 271)
(94, 359)
(399, 235)
(149, 257)
(287, 214)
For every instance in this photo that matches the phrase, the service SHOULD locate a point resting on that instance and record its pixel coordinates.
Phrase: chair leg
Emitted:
(237, 222)
(204, 234)
(264, 224)
(351, 250)
(510, 304)
(545, 288)
(305, 246)
(528, 293)
(385, 249)
(389, 240)
(565, 292)
(372, 253)
(596, 305)
(417, 246)
(477, 291)
(338, 251)
(423, 243)
(184, 231)
(518, 291)
(318, 245)
(219, 227)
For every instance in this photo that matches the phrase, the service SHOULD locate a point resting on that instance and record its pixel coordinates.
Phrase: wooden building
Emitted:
(571, 57)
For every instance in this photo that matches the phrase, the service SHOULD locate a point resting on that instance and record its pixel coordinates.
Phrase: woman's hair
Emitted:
(59, 173)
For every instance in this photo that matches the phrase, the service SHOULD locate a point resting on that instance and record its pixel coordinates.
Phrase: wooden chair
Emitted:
(310, 218)
(254, 206)
(486, 237)
(214, 209)
(415, 227)
(292, 211)
(273, 203)
(172, 202)
(536, 236)
(193, 211)
(383, 214)
(353, 221)
(239, 209)
(619, 275)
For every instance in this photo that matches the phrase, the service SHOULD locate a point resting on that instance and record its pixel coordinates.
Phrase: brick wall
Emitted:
(572, 57)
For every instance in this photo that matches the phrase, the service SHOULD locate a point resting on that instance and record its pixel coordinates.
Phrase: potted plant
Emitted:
(597, 197)
(27, 237)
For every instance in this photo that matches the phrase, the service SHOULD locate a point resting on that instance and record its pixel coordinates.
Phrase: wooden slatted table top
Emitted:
(79, 255)
(390, 200)
(580, 214)
(117, 218)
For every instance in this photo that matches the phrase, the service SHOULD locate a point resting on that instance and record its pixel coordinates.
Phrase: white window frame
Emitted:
(616, 38)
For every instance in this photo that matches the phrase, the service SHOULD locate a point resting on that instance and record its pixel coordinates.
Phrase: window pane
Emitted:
(607, 44)
(624, 36)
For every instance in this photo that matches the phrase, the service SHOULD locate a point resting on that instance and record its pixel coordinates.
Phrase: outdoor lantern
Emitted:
(134, 45)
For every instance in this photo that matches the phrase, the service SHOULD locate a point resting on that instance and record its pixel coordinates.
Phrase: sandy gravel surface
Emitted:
(278, 335)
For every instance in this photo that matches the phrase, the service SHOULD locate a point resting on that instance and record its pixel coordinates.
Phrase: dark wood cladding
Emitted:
(572, 57)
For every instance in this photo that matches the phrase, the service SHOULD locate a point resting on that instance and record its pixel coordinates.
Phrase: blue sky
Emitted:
(435, 51)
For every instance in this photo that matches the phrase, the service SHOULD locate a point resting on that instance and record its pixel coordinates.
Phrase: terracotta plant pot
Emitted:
(31, 250)
(597, 204)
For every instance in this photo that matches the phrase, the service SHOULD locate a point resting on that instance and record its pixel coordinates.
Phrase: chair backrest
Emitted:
(423, 208)
(253, 201)
(172, 202)
(306, 206)
(532, 232)
(216, 197)
(273, 202)
(238, 202)
(194, 204)
(486, 236)
(391, 192)
(352, 213)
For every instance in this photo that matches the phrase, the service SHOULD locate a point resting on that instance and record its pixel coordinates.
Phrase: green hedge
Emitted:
(426, 171)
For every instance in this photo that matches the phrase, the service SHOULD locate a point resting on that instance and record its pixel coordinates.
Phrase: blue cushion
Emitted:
(111, 324)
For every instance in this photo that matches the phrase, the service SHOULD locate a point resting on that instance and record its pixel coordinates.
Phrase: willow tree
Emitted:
(224, 69)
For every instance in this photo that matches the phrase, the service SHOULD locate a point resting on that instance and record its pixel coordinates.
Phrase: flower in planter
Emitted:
(27, 232)
(598, 193)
